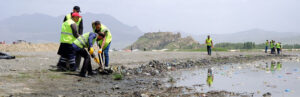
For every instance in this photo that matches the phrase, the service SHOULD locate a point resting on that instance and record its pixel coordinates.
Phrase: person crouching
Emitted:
(86, 41)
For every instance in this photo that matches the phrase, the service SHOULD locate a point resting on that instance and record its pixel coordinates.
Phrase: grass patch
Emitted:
(55, 76)
(203, 50)
(23, 76)
(250, 50)
(248, 56)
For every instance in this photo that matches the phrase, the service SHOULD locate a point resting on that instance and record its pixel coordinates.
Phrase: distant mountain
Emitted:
(254, 35)
(38, 28)
(164, 40)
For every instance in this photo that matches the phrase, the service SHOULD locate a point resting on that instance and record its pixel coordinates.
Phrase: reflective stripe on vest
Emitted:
(82, 41)
(208, 42)
(108, 36)
(66, 32)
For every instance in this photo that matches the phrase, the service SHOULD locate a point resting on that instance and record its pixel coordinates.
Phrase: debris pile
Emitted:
(155, 67)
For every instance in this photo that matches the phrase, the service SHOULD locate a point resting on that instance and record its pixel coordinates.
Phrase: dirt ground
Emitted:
(31, 74)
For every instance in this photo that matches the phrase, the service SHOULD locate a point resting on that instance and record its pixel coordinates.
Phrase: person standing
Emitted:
(272, 46)
(267, 45)
(104, 44)
(76, 9)
(68, 34)
(278, 47)
(209, 44)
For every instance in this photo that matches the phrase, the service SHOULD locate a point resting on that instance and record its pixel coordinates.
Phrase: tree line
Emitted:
(252, 45)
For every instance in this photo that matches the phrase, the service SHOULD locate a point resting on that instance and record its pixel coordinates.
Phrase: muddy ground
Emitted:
(31, 74)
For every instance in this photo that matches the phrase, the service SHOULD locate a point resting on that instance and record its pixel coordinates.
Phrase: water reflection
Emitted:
(275, 66)
(256, 78)
(210, 77)
(279, 66)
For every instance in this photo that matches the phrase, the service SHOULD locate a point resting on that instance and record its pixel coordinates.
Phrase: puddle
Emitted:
(281, 79)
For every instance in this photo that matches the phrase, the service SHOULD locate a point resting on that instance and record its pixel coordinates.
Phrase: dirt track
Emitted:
(29, 74)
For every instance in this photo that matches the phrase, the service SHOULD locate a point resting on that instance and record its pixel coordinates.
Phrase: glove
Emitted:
(100, 51)
(91, 51)
(97, 60)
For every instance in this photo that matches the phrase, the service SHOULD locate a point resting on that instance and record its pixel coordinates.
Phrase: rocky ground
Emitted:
(31, 74)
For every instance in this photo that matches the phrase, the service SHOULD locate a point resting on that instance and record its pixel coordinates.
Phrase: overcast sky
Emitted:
(189, 16)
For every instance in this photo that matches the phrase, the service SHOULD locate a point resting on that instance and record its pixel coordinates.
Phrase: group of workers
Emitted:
(74, 44)
(274, 47)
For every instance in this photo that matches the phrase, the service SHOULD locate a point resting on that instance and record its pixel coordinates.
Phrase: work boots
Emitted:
(61, 66)
(90, 74)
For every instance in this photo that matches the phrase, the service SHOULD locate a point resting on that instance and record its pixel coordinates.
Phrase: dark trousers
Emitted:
(273, 50)
(86, 67)
(266, 49)
(278, 51)
(209, 50)
(66, 56)
(77, 61)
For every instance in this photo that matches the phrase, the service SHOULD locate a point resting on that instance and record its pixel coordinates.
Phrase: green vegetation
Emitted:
(202, 49)
(55, 76)
(117, 76)
(252, 45)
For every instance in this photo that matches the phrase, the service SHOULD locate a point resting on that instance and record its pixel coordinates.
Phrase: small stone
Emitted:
(60, 96)
(144, 95)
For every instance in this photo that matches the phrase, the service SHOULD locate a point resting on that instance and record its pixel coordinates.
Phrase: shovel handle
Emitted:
(101, 61)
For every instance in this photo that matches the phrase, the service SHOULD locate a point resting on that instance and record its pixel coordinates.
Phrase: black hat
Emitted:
(77, 8)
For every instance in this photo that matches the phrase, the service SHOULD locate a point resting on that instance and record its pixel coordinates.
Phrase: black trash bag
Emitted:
(6, 56)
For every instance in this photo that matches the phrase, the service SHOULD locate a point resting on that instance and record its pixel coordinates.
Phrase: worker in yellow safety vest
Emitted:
(209, 44)
(278, 47)
(69, 33)
(76, 9)
(272, 47)
(104, 44)
(86, 41)
(267, 45)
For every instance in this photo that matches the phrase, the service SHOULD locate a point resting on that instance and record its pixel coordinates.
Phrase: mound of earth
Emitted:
(164, 40)
(28, 47)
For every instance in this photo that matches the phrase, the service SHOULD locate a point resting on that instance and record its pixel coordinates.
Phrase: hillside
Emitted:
(41, 28)
(164, 40)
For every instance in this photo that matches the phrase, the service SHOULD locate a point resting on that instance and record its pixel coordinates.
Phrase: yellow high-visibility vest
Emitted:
(82, 41)
(66, 32)
(208, 42)
(108, 36)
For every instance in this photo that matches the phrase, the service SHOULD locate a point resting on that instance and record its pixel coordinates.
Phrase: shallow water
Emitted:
(281, 79)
